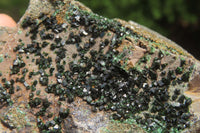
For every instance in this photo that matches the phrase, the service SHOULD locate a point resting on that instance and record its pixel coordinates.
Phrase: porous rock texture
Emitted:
(66, 69)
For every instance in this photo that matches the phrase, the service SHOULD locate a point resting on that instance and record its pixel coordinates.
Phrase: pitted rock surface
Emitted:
(66, 69)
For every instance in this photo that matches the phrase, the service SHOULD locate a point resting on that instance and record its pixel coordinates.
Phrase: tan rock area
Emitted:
(65, 69)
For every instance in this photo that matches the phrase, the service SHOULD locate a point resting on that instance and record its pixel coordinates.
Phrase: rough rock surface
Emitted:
(66, 69)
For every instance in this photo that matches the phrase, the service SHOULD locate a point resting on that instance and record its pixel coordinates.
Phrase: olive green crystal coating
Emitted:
(84, 55)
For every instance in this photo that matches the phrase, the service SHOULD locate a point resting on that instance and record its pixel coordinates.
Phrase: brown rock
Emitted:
(132, 77)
